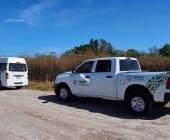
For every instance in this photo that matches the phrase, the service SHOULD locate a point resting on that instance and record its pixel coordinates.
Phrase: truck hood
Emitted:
(66, 74)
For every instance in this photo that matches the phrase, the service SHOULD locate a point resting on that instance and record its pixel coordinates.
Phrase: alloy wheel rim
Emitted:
(138, 104)
(63, 93)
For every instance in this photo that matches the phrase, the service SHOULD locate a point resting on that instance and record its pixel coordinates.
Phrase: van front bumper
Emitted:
(167, 97)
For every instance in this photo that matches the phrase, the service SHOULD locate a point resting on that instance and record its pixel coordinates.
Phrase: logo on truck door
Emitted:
(80, 83)
(135, 78)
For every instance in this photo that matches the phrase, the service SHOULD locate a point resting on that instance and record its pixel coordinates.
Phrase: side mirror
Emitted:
(73, 71)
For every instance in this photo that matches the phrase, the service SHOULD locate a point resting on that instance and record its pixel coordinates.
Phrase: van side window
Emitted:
(3, 66)
(86, 67)
(103, 66)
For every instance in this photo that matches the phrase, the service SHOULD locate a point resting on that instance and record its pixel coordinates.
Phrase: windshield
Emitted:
(17, 67)
(3, 66)
(129, 65)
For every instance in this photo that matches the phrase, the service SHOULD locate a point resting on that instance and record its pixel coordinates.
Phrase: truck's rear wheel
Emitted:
(160, 104)
(63, 92)
(139, 103)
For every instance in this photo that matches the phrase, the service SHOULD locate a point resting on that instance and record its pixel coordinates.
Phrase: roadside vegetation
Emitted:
(44, 67)
(43, 86)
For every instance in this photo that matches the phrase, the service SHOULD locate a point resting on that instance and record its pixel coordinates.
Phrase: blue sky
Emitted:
(31, 26)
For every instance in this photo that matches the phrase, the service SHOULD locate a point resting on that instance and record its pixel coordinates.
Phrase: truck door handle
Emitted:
(108, 76)
(87, 77)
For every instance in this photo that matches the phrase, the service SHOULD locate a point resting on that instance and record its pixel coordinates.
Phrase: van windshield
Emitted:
(129, 65)
(3, 66)
(17, 67)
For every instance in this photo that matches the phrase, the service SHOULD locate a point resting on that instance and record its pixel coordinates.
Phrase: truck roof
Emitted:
(103, 58)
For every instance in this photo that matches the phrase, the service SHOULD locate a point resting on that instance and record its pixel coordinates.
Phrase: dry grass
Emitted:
(43, 86)
(155, 63)
(44, 68)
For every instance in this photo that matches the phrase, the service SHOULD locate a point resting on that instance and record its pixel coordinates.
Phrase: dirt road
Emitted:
(36, 115)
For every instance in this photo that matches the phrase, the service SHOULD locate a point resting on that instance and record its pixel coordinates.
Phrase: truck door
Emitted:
(82, 83)
(103, 79)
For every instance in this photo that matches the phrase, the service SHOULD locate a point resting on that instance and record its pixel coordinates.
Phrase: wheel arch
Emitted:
(136, 87)
(62, 84)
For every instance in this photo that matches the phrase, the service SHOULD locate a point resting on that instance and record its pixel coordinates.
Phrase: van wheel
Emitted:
(63, 92)
(1, 85)
(139, 103)
(19, 87)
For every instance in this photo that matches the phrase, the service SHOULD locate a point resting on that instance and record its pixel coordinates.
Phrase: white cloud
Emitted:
(31, 14)
(68, 17)
(10, 20)
(48, 49)
(44, 12)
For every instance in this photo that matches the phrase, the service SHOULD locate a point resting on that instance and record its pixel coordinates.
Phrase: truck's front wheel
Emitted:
(139, 103)
(63, 92)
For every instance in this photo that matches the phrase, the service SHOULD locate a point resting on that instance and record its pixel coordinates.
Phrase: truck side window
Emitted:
(86, 67)
(129, 65)
(103, 66)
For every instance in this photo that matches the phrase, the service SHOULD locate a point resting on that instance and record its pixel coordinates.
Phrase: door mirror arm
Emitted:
(73, 71)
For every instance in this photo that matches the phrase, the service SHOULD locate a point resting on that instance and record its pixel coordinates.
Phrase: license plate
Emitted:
(18, 77)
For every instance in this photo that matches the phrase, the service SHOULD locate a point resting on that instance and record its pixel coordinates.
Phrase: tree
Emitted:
(94, 45)
(120, 53)
(132, 53)
(165, 50)
(154, 50)
(103, 45)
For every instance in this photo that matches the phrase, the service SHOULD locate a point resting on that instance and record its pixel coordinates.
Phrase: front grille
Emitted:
(18, 75)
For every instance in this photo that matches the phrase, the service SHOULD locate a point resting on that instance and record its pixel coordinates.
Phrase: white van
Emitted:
(13, 72)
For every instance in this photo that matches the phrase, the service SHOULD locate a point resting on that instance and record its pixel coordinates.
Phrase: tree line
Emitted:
(101, 46)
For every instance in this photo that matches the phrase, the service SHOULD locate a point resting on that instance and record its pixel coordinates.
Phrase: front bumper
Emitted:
(167, 97)
(12, 83)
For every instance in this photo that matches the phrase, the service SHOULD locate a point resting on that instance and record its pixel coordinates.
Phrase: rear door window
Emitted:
(103, 66)
(3, 66)
(17, 67)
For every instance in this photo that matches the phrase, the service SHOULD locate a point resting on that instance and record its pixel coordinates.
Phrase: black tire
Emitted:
(140, 103)
(19, 87)
(63, 92)
(160, 104)
(1, 85)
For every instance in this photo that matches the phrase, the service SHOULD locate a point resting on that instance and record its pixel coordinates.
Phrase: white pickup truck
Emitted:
(115, 78)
